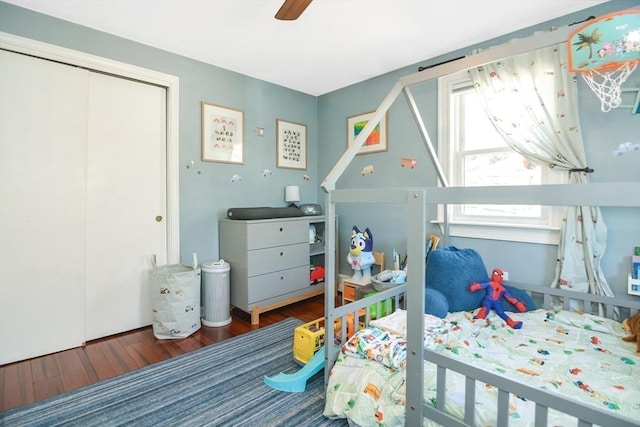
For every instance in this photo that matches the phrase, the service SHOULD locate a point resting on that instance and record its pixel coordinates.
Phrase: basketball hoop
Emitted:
(606, 84)
(605, 51)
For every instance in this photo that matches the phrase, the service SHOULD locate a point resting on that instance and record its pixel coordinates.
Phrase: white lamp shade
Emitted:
(291, 193)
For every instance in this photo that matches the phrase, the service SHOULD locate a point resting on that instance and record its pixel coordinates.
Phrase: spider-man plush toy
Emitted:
(495, 292)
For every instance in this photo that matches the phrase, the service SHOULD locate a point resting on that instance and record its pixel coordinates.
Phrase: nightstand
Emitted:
(350, 286)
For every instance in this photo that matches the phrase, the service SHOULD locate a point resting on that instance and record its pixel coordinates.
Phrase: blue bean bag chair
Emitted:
(450, 272)
(435, 303)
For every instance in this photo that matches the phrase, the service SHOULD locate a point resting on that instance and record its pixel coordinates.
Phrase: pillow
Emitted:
(451, 271)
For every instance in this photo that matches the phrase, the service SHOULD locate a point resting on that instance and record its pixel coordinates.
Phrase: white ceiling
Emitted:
(335, 43)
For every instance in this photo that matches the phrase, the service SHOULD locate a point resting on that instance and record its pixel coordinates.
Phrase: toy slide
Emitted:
(297, 381)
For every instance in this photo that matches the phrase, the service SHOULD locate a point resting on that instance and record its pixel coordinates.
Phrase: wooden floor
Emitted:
(35, 379)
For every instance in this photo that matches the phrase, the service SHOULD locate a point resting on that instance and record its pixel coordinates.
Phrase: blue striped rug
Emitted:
(218, 385)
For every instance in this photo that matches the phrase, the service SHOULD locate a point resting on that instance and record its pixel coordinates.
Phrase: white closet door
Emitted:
(43, 140)
(126, 210)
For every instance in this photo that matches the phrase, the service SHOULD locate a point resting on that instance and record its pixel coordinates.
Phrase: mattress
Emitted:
(578, 356)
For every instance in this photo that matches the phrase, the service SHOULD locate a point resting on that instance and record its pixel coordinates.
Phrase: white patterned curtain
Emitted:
(532, 101)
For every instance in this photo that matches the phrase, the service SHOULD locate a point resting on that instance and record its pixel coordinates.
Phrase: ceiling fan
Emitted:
(292, 9)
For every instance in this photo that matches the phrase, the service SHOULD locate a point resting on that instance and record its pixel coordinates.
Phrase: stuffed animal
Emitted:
(360, 255)
(495, 292)
(632, 325)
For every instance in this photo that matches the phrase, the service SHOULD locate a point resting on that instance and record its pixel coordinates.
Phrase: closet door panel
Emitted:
(126, 210)
(43, 122)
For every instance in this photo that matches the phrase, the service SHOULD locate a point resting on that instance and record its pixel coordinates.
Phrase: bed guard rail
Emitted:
(350, 318)
(557, 298)
(544, 401)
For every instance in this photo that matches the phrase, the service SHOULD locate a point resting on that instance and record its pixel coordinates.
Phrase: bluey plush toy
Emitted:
(360, 255)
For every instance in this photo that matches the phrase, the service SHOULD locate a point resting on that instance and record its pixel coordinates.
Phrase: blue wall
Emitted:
(602, 132)
(205, 190)
(205, 196)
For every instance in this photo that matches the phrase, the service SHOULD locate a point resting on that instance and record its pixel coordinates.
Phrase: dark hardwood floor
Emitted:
(36, 379)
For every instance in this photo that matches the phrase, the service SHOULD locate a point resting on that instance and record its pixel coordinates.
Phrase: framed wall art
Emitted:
(377, 140)
(222, 134)
(291, 144)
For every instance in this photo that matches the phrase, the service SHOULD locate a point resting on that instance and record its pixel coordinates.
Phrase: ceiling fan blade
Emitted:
(292, 9)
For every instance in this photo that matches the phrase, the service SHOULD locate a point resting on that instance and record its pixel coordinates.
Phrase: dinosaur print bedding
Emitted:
(578, 356)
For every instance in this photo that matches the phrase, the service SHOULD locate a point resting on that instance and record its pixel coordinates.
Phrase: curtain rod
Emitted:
(460, 57)
(585, 170)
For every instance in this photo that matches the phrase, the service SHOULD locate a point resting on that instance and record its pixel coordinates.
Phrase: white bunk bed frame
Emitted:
(416, 202)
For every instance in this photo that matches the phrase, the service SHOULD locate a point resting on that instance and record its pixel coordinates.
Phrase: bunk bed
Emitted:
(420, 408)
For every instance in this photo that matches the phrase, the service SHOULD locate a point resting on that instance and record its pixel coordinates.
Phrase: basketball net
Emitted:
(606, 84)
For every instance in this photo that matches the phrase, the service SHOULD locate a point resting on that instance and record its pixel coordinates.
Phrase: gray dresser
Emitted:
(270, 261)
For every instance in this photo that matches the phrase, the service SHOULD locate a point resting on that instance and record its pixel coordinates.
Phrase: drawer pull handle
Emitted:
(280, 228)
(281, 277)
(281, 253)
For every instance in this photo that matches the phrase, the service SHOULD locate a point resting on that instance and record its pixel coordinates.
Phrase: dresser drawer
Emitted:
(262, 261)
(278, 283)
(277, 233)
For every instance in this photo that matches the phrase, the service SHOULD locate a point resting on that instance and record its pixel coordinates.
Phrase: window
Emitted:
(474, 154)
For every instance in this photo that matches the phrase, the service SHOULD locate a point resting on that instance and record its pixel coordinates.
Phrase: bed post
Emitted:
(416, 234)
(330, 285)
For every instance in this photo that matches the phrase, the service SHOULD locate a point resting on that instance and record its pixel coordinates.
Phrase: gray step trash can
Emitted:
(175, 299)
(215, 293)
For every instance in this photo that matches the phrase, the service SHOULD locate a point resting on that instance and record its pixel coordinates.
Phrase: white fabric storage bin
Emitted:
(175, 300)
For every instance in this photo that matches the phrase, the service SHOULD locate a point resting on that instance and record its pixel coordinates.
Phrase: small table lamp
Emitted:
(292, 195)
